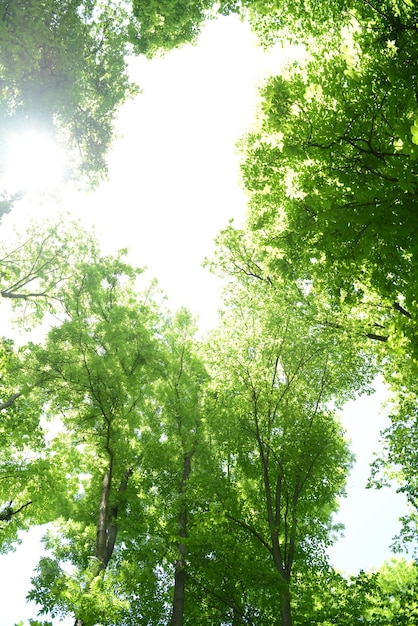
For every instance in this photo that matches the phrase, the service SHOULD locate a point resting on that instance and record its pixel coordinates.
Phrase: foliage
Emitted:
(23, 466)
(312, 20)
(96, 368)
(397, 459)
(278, 443)
(330, 171)
(63, 70)
(385, 597)
(36, 266)
(161, 26)
(178, 474)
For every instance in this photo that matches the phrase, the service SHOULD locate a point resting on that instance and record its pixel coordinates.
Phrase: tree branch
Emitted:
(401, 310)
(9, 402)
(7, 513)
(383, 338)
(250, 529)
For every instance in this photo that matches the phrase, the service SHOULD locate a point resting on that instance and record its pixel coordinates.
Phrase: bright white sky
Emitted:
(173, 185)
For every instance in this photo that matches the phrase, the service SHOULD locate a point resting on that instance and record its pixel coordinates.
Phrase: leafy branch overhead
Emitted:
(175, 472)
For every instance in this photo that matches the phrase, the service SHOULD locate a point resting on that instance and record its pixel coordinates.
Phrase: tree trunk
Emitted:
(285, 611)
(282, 558)
(107, 527)
(101, 549)
(177, 615)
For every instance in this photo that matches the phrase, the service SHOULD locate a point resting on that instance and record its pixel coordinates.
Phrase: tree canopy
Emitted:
(175, 471)
(63, 69)
(330, 171)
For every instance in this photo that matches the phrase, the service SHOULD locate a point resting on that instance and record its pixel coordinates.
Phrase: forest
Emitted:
(189, 478)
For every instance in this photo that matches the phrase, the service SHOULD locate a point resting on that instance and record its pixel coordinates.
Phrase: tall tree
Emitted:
(36, 265)
(174, 448)
(331, 176)
(182, 416)
(96, 368)
(276, 375)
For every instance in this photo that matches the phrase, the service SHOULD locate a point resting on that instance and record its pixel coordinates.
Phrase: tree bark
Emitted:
(177, 615)
(9, 401)
(107, 527)
(101, 549)
(286, 611)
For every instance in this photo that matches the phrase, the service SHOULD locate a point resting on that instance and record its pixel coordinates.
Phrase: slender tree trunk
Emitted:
(177, 615)
(282, 558)
(101, 549)
(286, 611)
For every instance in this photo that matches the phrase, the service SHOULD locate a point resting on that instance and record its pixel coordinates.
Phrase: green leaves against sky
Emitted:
(177, 472)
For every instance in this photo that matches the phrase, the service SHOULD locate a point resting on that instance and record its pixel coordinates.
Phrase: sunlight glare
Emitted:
(34, 162)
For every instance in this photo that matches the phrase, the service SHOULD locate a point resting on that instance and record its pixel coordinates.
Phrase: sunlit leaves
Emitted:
(63, 67)
(414, 131)
(331, 178)
(275, 375)
(160, 26)
(331, 173)
(36, 266)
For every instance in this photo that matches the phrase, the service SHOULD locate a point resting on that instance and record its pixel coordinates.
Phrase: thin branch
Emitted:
(250, 529)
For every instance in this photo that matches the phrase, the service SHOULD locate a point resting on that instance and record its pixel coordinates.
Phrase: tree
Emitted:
(333, 159)
(384, 597)
(313, 20)
(280, 446)
(181, 417)
(37, 265)
(396, 461)
(96, 368)
(173, 449)
(331, 173)
(125, 383)
(395, 601)
(327, 597)
(23, 465)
